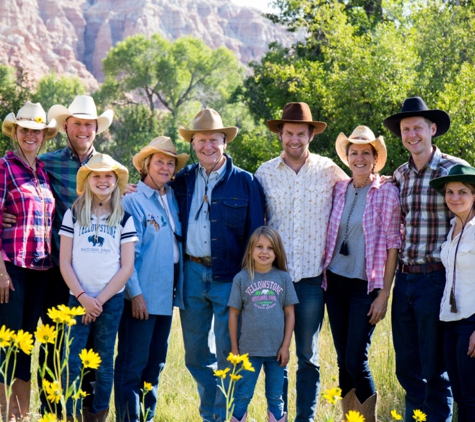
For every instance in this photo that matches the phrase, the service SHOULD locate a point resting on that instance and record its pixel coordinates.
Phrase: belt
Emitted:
(205, 260)
(421, 269)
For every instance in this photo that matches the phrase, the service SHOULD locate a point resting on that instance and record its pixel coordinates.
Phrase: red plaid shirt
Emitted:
(381, 227)
(28, 243)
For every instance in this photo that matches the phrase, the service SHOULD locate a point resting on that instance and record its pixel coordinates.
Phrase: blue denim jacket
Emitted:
(237, 209)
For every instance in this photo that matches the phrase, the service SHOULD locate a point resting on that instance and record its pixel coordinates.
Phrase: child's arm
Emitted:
(284, 355)
(233, 329)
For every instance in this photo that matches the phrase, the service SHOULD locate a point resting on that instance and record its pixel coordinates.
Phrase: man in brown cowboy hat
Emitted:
(420, 278)
(298, 186)
(220, 206)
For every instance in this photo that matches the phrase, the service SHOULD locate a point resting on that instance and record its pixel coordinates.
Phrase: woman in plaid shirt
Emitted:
(26, 247)
(360, 260)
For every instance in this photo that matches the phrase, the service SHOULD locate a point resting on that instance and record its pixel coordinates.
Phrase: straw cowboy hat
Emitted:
(458, 173)
(362, 135)
(101, 163)
(296, 113)
(30, 116)
(82, 107)
(209, 120)
(415, 106)
(164, 145)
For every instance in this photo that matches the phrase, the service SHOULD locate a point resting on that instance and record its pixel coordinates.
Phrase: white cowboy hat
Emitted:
(30, 116)
(82, 107)
(209, 120)
(362, 135)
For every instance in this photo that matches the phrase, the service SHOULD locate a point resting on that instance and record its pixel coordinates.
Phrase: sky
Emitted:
(257, 4)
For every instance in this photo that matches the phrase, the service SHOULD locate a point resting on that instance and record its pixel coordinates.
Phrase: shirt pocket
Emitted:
(235, 212)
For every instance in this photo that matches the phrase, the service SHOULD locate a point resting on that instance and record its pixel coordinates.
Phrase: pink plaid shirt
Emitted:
(381, 227)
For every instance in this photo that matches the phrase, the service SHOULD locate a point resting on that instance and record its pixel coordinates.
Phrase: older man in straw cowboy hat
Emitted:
(420, 278)
(298, 186)
(220, 206)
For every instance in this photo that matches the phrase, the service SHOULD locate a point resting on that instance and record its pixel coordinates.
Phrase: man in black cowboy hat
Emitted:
(420, 279)
(298, 186)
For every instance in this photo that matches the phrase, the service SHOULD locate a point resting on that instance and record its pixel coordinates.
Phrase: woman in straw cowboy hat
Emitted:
(457, 308)
(156, 284)
(360, 260)
(26, 248)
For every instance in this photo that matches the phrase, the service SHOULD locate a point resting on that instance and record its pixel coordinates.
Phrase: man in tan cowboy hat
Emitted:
(420, 278)
(298, 186)
(220, 206)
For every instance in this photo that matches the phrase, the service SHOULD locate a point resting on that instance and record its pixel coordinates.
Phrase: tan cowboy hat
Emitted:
(209, 120)
(164, 145)
(30, 116)
(101, 163)
(362, 135)
(296, 113)
(82, 107)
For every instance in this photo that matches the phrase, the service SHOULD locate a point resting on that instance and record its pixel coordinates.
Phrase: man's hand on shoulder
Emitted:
(8, 220)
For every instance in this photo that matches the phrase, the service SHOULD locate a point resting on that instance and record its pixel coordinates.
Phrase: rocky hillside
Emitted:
(73, 36)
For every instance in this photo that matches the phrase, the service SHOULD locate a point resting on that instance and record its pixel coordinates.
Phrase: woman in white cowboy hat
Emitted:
(156, 284)
(360, 260)
(26, 247)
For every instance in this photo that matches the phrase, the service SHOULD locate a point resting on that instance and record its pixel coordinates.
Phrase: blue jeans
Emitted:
(104, 331)
(206, 301)
(274, 385)
(418, 343)
(348, 304)
(308, 323)
(460, 366)
(142, 352)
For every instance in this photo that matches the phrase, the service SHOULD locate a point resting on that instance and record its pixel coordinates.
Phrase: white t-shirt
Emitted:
(96, 259)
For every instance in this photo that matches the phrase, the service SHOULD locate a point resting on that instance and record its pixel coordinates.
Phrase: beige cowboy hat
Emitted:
(209, 120)
(362, 135)
(82, 107)
(101, 163)
(30, 116)
(164, 145)
(296, 113)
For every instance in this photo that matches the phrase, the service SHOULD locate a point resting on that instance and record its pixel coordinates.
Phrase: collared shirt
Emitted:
(381, 227)
(425, 216)
(199, 232)
(298, 207)
(28, 243)
(62, 166)
(464, 282)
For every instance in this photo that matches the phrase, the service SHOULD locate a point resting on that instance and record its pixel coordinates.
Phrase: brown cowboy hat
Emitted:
(208, 120)
(296, 113)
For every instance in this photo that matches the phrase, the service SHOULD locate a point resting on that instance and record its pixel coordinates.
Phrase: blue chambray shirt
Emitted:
(154, 267)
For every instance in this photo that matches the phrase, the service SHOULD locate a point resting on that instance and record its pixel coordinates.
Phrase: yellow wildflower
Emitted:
(332, 395)
(39, 119)
(48, 417)
(79, 394)
(353, 416)
(24, 341)
(76, 311)
(396, 416)
(419, 415)
(53, 391)
(221, 373)
(90, 359)
(5, 336)
(234, 359)
(56, 315)
(147, 386)
(235, 377)
(45, 334)
(247, 365)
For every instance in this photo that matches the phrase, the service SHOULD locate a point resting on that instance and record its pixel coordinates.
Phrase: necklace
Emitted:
(205, 196)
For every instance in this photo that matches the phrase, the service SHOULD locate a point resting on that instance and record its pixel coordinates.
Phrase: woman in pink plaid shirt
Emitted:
(363, 239)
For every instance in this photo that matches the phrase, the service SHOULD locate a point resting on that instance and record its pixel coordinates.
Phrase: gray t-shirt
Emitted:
(262, 302)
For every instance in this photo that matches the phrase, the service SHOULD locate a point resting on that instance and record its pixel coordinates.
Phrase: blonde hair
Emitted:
(274, 238)
(82, 207)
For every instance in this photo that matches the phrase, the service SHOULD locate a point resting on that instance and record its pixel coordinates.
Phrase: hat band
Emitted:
(360, 138)
(37, 119)
(84, 114)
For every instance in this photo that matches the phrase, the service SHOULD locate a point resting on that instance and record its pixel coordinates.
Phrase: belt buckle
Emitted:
(206, 261)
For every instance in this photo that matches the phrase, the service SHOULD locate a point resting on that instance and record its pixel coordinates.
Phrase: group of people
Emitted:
(248, 259)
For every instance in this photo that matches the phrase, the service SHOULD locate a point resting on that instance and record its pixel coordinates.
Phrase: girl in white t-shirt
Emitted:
(96, 260)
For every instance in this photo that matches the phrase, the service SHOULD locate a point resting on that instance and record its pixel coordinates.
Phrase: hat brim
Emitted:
(319, 127)
(82, 174)
(439, 117)
(439, 183)
(61, 114)
(230, 132)
(138, 159)
(8, 126)
(379, 145)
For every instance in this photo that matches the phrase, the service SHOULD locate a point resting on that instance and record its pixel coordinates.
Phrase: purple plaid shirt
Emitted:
(425, 216)
(381, 227)
(28, 243)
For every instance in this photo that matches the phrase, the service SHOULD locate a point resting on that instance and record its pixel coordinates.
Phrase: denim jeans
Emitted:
(104, 332)
(348, 304)
(22, 312)
(206, 302)
(418, 343)
(142, 352)
(308, 323)
(460, 366)
(274, 385)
